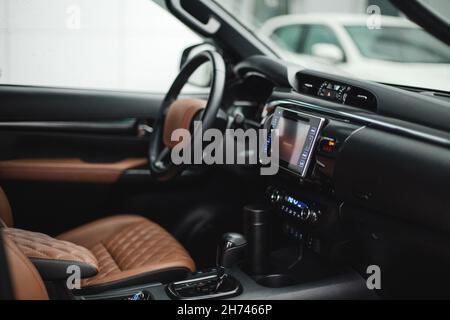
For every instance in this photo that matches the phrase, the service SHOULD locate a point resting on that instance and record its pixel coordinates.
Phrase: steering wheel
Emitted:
(180, 113)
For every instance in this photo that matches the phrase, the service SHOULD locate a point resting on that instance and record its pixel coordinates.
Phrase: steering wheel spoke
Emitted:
(163, 159)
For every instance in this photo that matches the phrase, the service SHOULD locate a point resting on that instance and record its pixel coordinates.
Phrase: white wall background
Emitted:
(109, 44)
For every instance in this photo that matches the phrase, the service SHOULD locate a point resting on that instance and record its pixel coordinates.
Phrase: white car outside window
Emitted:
(398, 53)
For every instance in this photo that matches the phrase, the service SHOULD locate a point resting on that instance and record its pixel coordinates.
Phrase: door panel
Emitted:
(64, 151)
(24, 103)
(59, 145)
(120, 127)
(71, 156)
(67, 170)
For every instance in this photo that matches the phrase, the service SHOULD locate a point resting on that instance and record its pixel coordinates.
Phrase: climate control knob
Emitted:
(276, 197)
(305, 214)
(314, 216)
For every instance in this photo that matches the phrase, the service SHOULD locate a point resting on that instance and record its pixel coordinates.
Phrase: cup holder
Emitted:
(276, 281)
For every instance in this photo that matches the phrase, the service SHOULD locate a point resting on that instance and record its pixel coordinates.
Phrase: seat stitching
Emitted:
(112, 258)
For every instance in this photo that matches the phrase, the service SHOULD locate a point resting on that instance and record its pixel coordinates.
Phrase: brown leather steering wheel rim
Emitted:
(166, 170)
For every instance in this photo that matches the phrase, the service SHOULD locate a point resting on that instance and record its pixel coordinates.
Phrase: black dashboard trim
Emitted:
(414, 109)
(366, 121)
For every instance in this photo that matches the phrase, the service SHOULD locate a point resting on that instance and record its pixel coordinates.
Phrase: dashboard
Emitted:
(336, 91)
(364, 168)
(354, 144)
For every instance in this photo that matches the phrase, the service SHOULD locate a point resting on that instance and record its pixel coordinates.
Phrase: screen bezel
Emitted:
(315, 123)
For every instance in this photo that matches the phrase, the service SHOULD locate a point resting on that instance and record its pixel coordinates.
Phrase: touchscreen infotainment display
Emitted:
(297, 134)
(292, 136)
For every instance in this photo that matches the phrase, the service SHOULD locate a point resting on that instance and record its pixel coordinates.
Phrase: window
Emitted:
(392, 47)
(318, 34)
(300, 38)
(289, 37)
(399, 44)
(102, 44)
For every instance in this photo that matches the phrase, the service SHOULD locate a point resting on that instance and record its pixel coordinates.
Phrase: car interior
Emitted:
(88, 187)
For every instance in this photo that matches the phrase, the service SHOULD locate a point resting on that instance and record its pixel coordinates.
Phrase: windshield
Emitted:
(397, 44)
(367, 39)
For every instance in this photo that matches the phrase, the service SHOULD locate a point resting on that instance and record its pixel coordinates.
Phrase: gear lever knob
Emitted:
(231, 250)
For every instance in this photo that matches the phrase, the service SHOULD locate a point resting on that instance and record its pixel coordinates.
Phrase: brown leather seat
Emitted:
(129, 250)
(25, 280)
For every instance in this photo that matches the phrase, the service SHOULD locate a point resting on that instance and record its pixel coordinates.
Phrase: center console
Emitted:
(217, 283)
(308, 242)
(309, 145)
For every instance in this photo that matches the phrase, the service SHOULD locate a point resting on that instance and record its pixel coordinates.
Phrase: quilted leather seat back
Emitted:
(26, 281)
(52, 257)
(6, 218)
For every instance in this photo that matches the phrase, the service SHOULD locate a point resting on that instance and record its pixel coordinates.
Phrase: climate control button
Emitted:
(276, 197)
(292, 208)
(305, 214)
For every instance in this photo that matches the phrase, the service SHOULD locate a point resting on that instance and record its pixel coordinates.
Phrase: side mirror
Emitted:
(202, 77)
(328, 52)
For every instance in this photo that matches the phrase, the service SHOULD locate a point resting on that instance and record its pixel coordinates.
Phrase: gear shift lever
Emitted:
(230, 251)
